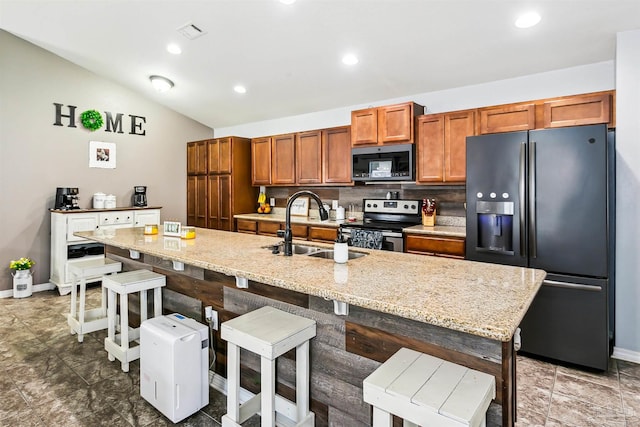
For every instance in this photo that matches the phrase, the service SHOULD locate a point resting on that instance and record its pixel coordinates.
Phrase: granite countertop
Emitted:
(437, 230)
(487, 300)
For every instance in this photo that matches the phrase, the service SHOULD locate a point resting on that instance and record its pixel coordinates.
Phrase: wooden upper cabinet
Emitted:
(430, 148)
(457, 126)
(309, 157)
(336, 155)
(442, 144)
(364, 127)
(283, 158)
(507, 118)
(395, 123)
(197, 157)
(219, 155)
(384, 125)
(261, 161)
(578, 110)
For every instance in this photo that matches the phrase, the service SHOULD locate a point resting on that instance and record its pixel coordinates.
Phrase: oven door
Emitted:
(391, 240)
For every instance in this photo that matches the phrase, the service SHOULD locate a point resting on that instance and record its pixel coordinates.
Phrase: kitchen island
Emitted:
(465, 312)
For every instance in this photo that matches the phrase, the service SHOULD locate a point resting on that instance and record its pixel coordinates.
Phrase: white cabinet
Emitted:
(67, 248)
(140, 219)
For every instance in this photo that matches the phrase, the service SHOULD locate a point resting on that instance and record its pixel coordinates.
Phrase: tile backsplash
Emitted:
(450, 199)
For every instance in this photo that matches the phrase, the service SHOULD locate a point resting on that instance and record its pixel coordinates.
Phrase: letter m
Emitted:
(114, 125)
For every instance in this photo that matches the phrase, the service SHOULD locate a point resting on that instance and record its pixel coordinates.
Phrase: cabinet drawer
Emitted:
(323, 234)
(116, 218)
(269, 228)
(299, 231)
(434, 245)
(246, 226)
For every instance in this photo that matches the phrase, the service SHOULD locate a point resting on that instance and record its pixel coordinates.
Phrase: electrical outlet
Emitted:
(214, 320)
(207, 312)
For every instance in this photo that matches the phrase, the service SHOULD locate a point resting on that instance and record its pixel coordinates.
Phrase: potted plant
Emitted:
(22, 279)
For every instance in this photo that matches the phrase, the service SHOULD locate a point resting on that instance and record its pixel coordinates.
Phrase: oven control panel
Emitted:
(391, 206)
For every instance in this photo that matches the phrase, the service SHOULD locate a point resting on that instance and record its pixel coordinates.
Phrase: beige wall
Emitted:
(36, 157)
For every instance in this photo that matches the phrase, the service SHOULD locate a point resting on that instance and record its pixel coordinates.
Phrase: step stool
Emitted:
(427, 391)
(270, 333)
(123, 284)
(83, 321)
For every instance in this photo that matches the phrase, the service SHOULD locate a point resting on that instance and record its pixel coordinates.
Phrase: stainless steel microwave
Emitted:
(384, 163)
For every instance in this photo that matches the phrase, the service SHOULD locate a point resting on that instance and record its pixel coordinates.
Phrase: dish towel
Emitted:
(369, 239)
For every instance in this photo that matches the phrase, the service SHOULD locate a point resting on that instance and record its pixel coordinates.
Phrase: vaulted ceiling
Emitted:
(289, 56)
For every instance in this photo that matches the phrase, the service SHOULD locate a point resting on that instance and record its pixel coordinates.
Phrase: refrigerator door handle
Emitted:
(521, 196)
(533, 244)
(569, 285)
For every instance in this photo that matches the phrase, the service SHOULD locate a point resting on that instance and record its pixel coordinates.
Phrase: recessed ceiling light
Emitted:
(174, 48)
(240, 89)
(287, 1)
(527, 20)
(350, 59)
(161, 84)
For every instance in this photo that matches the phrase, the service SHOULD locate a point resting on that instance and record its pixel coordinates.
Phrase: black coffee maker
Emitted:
(139, 196)
(67, 198)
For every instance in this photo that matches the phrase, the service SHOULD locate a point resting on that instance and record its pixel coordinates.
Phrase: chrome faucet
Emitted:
(287, 234)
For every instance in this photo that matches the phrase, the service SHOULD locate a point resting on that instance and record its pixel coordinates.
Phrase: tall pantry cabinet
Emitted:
(221, 188)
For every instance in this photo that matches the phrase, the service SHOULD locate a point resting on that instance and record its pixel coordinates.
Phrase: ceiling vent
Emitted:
(191, 31)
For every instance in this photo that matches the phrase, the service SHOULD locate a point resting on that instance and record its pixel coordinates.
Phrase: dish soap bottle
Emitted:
(340, 249)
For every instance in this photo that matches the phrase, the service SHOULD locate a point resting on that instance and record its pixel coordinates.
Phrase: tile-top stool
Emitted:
(124, 284)
(268, 332)
(80, 320)
(427, 391)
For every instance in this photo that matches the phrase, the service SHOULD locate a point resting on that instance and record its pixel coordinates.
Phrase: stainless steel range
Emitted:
(382, 223)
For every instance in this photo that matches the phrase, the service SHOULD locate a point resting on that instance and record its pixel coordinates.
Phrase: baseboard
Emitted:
(627, 355)
(36, 288)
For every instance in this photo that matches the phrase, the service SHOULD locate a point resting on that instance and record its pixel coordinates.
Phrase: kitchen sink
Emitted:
(314, 251)
(297, 249)
(328, 254)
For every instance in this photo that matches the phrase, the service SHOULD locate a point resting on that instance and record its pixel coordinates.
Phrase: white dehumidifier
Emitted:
(174, 358)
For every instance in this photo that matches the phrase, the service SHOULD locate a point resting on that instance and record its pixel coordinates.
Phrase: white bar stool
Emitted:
(427, 391)
(124, 284)
(270, 333)
(83, 321)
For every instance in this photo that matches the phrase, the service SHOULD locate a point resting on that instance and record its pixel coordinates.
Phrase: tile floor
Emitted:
(48, 379)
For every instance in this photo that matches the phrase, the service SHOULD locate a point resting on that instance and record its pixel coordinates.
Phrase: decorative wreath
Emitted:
(92, 120)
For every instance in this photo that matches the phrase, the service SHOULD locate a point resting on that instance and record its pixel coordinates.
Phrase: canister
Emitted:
(110, 201)
(99, 200)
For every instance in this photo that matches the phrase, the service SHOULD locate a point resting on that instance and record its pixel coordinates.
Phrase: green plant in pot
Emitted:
(21, 264)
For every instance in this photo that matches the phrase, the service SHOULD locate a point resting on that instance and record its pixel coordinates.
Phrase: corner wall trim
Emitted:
(627, 355)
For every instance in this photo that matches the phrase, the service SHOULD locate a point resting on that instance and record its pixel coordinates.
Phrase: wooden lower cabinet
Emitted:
(300, 231)
(323, 234)
(451, 247)
(246, 226)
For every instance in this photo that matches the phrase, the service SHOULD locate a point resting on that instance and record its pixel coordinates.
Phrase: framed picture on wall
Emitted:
(102, 155)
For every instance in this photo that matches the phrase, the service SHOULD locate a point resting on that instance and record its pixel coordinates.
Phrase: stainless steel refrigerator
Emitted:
(545, 199)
